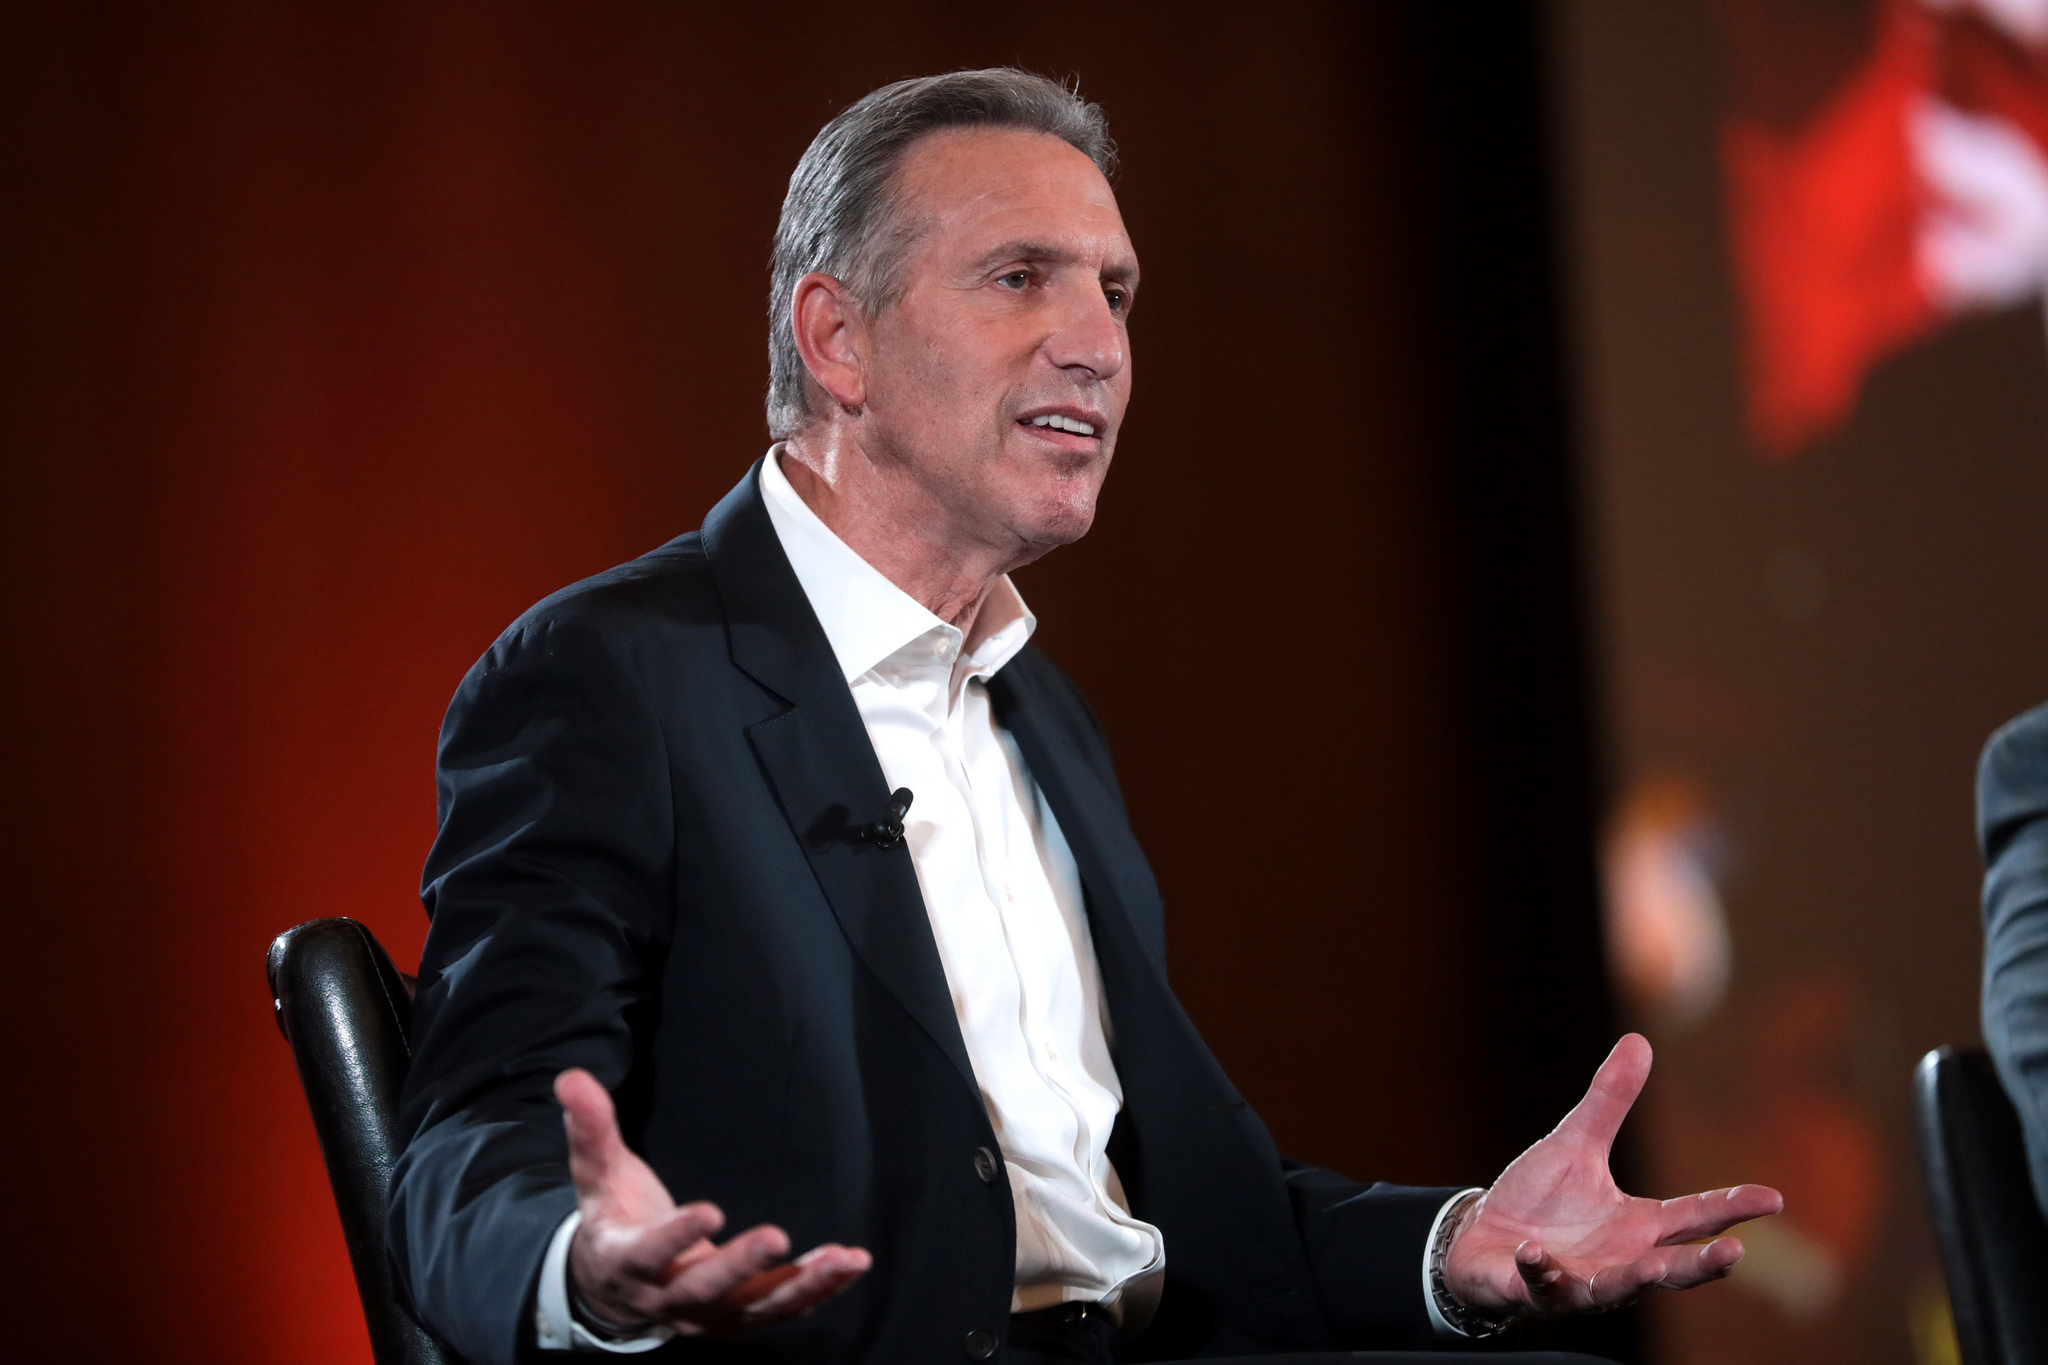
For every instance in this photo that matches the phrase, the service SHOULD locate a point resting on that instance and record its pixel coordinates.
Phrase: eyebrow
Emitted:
(1039, 252)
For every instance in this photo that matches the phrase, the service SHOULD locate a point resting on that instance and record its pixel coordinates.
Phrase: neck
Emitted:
(893, 521)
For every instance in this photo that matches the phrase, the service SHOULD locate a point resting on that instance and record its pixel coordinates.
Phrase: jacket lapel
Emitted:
(818, 758)
(1117, 884)
(1189, 1134)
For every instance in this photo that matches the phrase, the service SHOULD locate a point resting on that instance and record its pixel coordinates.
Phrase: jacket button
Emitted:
(986, 1166)
(979, 1345)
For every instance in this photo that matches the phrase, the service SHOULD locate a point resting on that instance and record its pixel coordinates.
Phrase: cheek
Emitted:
(981, 355)
(912, 391)
(938, 380)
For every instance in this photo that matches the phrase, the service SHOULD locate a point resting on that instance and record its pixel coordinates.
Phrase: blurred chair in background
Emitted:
(1994, 1241)
(344, 1008)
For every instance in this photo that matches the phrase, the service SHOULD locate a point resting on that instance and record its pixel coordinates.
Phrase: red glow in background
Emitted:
(1835, 187)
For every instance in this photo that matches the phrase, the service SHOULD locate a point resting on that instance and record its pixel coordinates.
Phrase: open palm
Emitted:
(1556, 1235)
(639, 1260)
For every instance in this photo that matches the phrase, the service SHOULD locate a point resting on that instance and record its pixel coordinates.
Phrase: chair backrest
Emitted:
(344, 1009)
(1994, 1242)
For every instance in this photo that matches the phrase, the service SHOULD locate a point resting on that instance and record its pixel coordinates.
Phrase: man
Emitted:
(2012, 827)
(777, 873)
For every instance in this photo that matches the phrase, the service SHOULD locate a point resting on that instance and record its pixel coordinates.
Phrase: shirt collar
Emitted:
(869, 620)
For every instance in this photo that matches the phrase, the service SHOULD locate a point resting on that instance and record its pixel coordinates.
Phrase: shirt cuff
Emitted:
(1437, 1322)
(554, 1327)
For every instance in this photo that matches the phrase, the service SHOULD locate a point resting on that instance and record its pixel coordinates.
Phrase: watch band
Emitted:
(1454, 1313)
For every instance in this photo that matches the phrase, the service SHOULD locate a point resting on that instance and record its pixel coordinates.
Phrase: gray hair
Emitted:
(839, 216)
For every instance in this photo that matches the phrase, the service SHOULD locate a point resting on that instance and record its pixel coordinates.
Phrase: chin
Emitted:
(1061, 518)
(1048, 503)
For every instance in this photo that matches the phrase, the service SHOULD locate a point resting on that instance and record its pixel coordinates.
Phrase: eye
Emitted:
(1016, 279)
(1118, 299)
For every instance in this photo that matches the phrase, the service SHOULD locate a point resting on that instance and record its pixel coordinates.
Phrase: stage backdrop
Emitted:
(336, 334)
(1808, 241)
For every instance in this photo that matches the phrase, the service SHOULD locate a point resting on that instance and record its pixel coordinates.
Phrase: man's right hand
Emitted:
(637, 1261)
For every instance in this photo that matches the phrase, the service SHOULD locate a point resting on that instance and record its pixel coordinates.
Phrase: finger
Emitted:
(1597, 1118)
(1698, 1265)
(593, 1128)
(1616, 1286)
(755, 1289)
(1551, 1288)
(1713, 1213)
(1666, 1268)
(811, 1280)
(650, 1252)
(711, 1279)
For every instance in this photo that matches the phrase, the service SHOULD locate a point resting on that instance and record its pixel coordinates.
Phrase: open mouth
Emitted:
(1054, 421)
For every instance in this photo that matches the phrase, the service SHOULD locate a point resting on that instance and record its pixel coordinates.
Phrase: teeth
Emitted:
(1059, 423)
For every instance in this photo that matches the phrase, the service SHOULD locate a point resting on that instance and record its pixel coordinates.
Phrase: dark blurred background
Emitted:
(335, 335)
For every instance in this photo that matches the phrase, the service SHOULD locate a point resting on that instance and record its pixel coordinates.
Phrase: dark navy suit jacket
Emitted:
(649, 865)
(2012, 824)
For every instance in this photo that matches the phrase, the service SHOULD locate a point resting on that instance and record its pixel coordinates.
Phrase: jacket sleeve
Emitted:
(2012, 825)
(1366, 1245)
(550, 892)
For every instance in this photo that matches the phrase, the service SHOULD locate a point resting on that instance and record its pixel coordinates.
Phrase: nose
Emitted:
(1085, 338)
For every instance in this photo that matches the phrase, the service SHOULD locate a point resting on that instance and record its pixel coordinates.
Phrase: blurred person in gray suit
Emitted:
(2012, 827)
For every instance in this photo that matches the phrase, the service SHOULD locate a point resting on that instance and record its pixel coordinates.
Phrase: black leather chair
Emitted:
(344, 1008)
(1994, 1242)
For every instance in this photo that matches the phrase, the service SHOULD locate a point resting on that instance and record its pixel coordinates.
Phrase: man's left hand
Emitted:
(1555, 1234)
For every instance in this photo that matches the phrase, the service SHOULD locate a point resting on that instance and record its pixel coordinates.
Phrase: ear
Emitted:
(831, 336)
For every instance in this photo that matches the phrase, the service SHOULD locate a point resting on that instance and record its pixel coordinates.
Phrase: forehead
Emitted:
(971, 186)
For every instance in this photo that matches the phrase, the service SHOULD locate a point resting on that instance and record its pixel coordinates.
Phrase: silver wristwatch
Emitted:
(1448, 1225)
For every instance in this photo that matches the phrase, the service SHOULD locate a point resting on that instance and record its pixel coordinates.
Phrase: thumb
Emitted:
(595, 1146)
(1597, 1118)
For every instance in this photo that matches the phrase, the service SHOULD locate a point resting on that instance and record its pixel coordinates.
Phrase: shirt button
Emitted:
(985, 1165)
(979, 1345)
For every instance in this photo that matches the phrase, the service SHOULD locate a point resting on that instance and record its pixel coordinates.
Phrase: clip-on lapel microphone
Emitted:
(888, 832)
